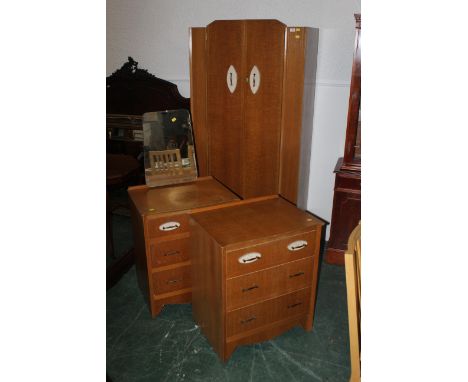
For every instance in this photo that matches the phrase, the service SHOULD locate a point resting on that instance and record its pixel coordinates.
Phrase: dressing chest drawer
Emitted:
(160, 219)
(254, 271)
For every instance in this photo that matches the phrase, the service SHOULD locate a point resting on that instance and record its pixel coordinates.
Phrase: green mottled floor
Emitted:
(171, 347)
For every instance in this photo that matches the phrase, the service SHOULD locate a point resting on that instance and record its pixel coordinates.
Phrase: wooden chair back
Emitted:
(353, 288)
(165, 160)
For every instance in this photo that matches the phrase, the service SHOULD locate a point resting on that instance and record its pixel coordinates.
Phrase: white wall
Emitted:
(155, 33)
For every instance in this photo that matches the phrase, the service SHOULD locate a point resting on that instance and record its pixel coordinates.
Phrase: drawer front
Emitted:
(255, 258)
(167, 226)
(169, 252)
(172, 280)
(254, 287)
(347, 182)
(267, 312)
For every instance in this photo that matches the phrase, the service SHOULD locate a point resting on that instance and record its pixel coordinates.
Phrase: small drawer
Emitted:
(172, 280)
(267, 312)
(254, 287)
(170, 252)
(169, 225)
(347, 182)
(255, 258)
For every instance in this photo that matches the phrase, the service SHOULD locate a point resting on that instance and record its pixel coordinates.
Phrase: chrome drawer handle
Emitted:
(169, 226)
(249, 288)
(173, 281)
(296, 274)
(294, 305)
(248, 320)
(297, 245)
(171, 253)
(249, 257)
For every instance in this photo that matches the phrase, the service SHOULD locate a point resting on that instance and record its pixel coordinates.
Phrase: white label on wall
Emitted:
(254, 79)
(231, 79)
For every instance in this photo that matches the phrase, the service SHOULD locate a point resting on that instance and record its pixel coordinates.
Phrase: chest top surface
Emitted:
(254, 221)
(203, 192)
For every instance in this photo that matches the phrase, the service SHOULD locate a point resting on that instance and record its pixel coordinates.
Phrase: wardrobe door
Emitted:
(224, 101)
(263, 83)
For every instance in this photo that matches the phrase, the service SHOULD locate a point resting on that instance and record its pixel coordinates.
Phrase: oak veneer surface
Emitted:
(253, 221)
(224, 109)
(200, 193)
(198, 98)
(264, 48)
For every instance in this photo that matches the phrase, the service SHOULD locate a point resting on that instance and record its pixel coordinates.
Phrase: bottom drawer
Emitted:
(267, 312)
(172, 280)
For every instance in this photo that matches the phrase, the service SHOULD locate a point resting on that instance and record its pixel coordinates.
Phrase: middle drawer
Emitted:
(271, 282)
(170, 251)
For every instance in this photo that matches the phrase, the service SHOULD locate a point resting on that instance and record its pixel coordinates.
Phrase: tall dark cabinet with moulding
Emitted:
(250, 80)
(347, 199)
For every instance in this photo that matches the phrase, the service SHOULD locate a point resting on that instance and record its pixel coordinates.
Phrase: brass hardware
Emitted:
(248, 320)
(172, 281)
(296, 274)
(249, 288)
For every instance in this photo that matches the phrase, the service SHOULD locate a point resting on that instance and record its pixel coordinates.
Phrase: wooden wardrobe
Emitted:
(252, 131)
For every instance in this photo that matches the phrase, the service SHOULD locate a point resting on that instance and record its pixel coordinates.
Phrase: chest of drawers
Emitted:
(160, 219)
(254, 271)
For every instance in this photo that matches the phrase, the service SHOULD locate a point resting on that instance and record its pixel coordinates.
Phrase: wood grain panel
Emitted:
(172, 279)
(224, 109)
(272, 253)
(170, 251)
(267, 312)
(262, 111)
(198, 98)
(269, 283)
(207, 286)
(247, 223)
(202, 192)
(291, 122)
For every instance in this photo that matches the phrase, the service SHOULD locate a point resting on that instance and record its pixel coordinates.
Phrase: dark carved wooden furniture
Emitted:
(347, 199)
(130, 92)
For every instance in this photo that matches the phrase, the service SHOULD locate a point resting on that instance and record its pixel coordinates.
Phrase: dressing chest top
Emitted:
(203, 192)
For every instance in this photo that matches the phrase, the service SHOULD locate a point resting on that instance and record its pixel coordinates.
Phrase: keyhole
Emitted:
(230, 77)
(254, 79)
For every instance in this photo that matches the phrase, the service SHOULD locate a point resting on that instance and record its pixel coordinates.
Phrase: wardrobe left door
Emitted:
(225, 41)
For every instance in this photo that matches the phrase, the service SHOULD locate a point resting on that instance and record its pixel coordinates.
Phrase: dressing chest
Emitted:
(254, 271)
(249, 266)
(162, 236)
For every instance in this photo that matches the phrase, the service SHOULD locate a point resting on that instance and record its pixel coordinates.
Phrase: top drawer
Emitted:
(169, 225)
(254, 258)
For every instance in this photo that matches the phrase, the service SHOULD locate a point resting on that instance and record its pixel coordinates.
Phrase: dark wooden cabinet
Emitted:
(347, 198)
